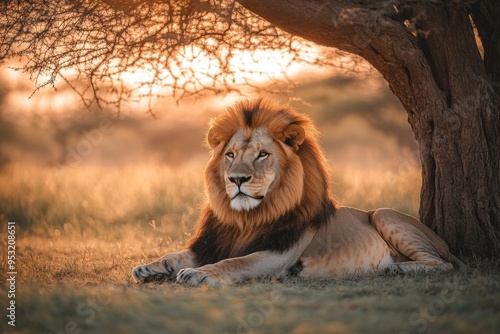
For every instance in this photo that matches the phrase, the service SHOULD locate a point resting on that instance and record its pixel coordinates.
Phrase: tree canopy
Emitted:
(186, 46)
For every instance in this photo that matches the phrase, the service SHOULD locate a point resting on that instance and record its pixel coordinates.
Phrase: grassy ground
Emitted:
(431, 303)
(80, 232)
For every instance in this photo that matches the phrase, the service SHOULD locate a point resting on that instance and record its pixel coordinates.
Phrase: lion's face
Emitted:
(250, 168)
(265, 161)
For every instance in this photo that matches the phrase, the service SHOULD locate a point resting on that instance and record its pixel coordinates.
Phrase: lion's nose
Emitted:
(239, 180)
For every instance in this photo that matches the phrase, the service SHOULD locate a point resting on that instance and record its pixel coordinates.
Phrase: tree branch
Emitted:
(99, 40)
(367, 31)
(486, 14)
(456, 62)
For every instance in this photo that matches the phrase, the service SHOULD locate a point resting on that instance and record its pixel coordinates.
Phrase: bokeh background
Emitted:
(62, 165)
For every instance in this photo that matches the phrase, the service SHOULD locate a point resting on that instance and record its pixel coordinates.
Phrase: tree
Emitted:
(446, 76)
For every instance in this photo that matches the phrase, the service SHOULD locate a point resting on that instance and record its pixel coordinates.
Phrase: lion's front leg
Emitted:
(240, 269)
(168, 266)
(236, 269)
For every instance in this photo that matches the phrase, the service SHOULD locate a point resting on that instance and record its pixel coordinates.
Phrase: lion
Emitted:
(270, 212)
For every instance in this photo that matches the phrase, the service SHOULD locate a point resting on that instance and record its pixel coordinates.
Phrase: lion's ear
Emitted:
(293, 135)
(212, 138)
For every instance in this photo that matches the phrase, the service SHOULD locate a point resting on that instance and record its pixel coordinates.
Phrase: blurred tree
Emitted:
(446, 76)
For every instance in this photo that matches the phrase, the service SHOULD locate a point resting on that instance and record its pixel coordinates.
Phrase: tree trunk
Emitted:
(460, 175)
(460, 196)
(453, 106)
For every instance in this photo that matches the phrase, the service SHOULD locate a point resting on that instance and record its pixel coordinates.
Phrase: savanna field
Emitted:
(82, 224)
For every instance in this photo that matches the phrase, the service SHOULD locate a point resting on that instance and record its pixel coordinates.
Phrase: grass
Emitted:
(371, 304)
(92, 201)
(81, 231)
(71, 284)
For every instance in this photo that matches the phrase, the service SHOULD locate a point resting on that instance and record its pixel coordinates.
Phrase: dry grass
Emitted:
(80, 232)
(93, 201)
(443, 303)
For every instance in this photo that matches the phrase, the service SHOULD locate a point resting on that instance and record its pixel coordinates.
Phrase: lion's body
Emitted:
(356, 241)
(270, 212)
(349, 244)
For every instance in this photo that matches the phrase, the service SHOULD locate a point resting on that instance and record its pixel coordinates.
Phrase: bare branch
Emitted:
(175, 48)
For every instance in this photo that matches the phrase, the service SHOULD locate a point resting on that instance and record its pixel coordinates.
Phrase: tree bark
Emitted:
(448, 90)
(460, 195)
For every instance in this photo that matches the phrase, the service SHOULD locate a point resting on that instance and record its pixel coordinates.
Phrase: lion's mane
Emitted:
(279, 221)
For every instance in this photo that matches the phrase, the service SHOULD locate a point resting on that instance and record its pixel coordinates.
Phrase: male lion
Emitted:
(270, 212)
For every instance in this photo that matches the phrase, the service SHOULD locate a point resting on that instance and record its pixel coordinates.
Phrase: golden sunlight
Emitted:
(192, 71)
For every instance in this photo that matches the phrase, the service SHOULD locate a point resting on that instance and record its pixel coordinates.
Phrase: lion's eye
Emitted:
(262, 154)
(230, 155)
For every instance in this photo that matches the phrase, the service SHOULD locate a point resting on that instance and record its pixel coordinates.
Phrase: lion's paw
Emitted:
(149, 272)
(191, 276)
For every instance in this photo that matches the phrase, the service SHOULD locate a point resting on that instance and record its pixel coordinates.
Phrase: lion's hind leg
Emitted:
(415, 246)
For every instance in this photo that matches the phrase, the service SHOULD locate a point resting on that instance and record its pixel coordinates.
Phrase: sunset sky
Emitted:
(257, 67)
